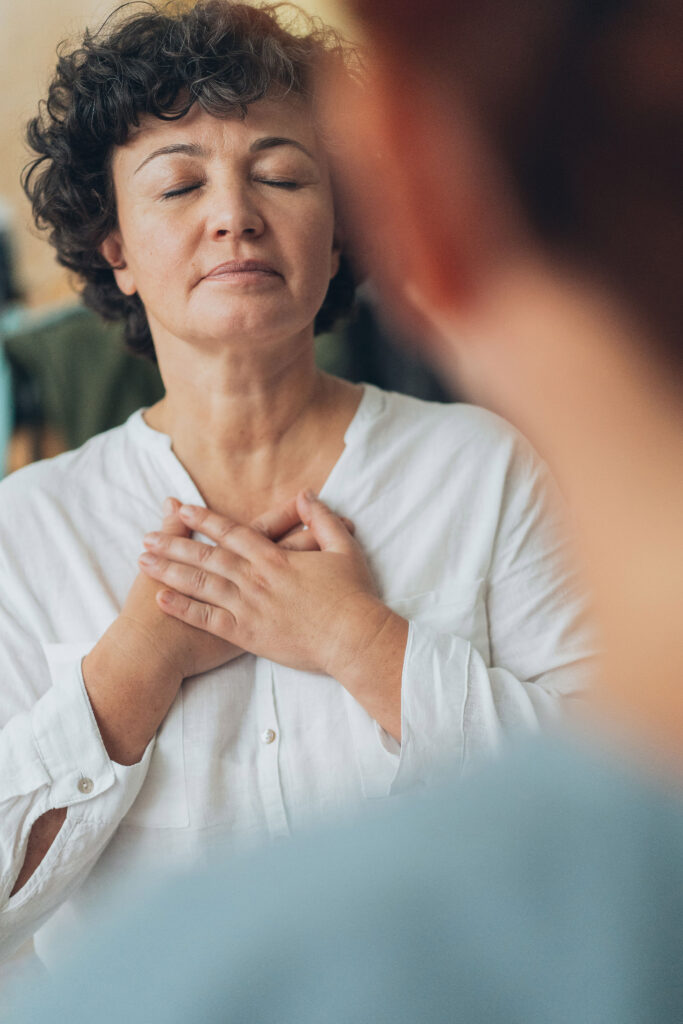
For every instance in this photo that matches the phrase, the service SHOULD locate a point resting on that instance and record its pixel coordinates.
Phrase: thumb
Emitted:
(326, 527)
(171, 523)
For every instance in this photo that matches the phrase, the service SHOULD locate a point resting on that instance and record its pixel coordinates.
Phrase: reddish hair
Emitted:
(581, 101)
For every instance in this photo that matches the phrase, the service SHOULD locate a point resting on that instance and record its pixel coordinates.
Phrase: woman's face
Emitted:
(225, 227)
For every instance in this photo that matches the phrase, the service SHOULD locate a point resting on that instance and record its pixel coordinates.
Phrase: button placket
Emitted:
(270, 783)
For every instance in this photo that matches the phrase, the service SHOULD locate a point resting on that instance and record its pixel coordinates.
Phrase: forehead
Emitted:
(289, 118)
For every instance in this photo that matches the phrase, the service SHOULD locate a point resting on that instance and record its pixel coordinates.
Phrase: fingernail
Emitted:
(147, 559)
(186, 511)
(150, 540)
(310, 495)
(169, 506)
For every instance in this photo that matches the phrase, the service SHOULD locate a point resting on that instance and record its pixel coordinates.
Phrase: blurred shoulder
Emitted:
(454, 424)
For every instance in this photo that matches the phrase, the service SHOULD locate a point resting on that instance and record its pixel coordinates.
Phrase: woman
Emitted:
(182, 176)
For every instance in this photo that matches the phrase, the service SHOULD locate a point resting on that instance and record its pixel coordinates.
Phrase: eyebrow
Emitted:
(271, 141)
(194, 149)
(188, 148)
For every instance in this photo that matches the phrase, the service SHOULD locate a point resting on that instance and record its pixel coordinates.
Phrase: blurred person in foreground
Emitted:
(527, 162)
(180, 169)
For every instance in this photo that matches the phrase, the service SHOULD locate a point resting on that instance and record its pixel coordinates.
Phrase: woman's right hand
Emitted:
(141, 632)
(133, 673)
(186, 650)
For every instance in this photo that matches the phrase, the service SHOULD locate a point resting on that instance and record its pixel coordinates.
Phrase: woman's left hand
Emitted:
(310, 610)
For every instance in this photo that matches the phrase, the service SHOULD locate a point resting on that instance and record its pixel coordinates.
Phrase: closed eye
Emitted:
(278, 182)
(180, 191)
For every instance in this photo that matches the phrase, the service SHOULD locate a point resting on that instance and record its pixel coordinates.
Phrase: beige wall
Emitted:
(29, 33)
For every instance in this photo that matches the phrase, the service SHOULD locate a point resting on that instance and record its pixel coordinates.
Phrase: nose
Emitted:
(234, 212)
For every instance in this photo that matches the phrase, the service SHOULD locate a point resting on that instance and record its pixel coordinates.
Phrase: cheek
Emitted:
(159, 255)
(316, 244)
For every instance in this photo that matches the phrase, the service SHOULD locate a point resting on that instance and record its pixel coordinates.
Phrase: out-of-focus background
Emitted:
(63, 374)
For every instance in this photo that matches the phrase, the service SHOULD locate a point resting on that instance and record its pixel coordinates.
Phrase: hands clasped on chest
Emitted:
(302, 597)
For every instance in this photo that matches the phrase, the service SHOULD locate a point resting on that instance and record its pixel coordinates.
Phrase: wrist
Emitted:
(130, 686)
(138, 647)
(368, 635)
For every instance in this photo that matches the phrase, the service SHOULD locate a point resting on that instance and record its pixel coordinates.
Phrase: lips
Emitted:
(238, 267)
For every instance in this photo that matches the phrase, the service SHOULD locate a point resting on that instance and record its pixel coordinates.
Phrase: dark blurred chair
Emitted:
(365, 348)
(72, 374)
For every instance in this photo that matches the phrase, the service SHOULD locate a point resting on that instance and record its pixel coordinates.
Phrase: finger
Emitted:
(278, 521)
(189, 580)
(327, 528)
(219, 621)
(283, 525)
(244, 540)
(171, 523)
(195, 553)
(299, 540)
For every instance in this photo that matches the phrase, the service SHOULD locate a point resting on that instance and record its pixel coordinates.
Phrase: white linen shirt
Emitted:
(458, 521)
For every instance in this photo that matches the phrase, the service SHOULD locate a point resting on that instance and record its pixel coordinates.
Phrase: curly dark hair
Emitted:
(160, 60)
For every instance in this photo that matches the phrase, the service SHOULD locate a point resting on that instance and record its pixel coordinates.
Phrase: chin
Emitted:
(249, 334)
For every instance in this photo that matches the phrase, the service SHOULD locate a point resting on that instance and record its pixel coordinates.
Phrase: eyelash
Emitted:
(275, 182)
(278, 182)
(179, 191)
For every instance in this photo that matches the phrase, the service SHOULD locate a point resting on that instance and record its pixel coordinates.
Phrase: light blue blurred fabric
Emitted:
(548, 889)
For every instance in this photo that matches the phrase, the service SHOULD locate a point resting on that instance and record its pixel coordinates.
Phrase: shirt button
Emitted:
(85, 785)
(268, 736)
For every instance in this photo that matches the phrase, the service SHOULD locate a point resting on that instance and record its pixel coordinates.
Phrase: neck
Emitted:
(248, 427)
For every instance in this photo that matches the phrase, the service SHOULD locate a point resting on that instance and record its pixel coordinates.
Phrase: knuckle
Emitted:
(163, 568)
(198, 579)
(206, 615)
(226, 530)
(225, 565)
(256, 579)
(277, 557)
(225, 622)
(205, 553)
(224, 592)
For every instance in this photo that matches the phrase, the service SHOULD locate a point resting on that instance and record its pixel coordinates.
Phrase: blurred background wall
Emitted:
(29, 33)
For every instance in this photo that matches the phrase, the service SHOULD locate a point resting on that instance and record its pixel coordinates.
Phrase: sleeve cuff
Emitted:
(433, 695)
(70, 745)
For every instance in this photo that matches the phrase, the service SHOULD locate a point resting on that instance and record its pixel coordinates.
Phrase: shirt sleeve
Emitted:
(52, 756)
(464, 693)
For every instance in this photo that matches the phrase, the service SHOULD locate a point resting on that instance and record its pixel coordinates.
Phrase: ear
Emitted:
(112, 250)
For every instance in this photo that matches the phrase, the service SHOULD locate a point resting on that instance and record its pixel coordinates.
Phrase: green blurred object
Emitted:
(86, 380)
(333, 353)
